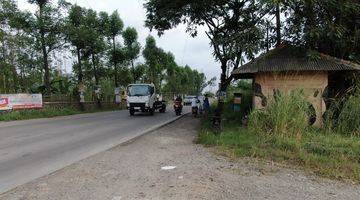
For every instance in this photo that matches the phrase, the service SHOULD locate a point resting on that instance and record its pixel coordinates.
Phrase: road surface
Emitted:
(33, 148)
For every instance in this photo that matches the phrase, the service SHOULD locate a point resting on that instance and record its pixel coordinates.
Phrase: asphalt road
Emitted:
(34, 148)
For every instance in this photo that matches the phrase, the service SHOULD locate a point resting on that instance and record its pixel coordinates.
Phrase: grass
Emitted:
(44, 113)
(285, 116)
(280, 133)
(333, 156)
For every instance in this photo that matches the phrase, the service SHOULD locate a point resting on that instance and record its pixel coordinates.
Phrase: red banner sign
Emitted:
(20, 101)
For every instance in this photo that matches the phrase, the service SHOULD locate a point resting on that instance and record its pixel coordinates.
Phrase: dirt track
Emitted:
(133, 171)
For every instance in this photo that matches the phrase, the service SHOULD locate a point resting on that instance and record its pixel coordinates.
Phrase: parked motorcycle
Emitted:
(177, 108)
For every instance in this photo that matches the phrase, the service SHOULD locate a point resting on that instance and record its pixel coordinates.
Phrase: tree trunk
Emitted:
(47, 72)
(80, 73)
(133, 71)
(267, 37)
(98, 102)
(278, 25)
(116, 75)
(44, 52)
(80, 79)
(115, 64)
(309, 23)
(224, 83)
(15, 76)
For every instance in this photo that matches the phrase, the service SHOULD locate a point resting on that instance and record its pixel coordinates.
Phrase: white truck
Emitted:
(143, 98)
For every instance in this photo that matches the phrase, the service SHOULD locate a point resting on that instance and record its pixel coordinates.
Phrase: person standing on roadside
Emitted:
(195, 106)
(206, 107)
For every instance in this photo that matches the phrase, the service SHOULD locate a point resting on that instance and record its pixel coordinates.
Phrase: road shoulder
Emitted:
(134, 171)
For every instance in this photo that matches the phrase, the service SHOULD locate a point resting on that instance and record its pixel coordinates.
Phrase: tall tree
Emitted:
(8, 11)
(47, 27)
(77, 33)
(132, 47)
(17, 55)
(331, 27)
(114, 29)
(157, 61)
(150, 54)
(273, 8)
(278, 22)
(95, 47)
(232, 27)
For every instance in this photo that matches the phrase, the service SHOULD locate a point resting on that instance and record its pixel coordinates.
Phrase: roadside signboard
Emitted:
(4, 104)
(21, 101)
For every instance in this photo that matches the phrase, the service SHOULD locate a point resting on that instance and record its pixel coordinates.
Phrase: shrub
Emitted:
(349, 118)
(286, 115)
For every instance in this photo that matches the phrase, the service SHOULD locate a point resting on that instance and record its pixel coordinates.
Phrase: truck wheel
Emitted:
(132, 112)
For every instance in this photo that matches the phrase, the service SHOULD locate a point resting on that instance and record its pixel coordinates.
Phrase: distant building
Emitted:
(287, 68)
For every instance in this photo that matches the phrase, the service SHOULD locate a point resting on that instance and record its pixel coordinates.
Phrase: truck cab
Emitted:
(143, 98)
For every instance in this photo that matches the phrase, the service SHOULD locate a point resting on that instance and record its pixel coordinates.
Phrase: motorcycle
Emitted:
(177, 108)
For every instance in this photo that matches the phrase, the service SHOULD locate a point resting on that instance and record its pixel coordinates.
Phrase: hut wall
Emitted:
(313, 84)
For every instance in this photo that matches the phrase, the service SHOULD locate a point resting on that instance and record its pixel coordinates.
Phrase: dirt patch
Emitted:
(134, 171)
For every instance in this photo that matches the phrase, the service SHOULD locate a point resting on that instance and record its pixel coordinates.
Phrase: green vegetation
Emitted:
(33, 114)
(349, 118)
(34, 44)
(330, 155)
(239, 30)
(281, 133)
(286, 116)
(45, 113)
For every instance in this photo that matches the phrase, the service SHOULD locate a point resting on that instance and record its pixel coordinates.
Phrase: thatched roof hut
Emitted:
(287, 68)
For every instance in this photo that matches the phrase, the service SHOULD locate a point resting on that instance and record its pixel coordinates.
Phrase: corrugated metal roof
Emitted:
(290, 58)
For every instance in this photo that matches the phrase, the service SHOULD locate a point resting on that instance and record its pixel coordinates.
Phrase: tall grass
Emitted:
(343, 116)
(281, 132)
(286, 115)
(349, 118)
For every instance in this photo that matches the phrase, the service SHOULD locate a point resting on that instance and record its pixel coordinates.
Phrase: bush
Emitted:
(349, 118)
(286, 115)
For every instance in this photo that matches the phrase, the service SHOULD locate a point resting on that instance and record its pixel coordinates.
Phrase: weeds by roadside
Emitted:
(43, 113)
(281, 133)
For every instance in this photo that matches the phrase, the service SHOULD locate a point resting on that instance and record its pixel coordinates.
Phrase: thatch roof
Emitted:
(290, 58)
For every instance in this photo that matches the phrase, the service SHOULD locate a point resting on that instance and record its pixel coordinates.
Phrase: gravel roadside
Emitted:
(134, 171)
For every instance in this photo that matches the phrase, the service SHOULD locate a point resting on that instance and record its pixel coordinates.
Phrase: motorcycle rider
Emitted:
(178, 98)
(178, 102)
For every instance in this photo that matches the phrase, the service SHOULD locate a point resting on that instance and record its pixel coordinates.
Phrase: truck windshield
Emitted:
(139, 90)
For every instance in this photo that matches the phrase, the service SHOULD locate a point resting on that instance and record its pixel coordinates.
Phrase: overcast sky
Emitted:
(196, 52)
